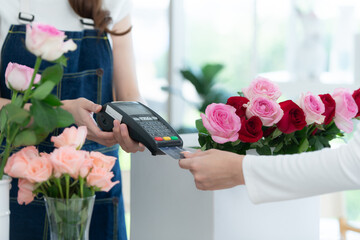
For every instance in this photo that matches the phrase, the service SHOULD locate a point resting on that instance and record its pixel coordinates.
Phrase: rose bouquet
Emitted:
(67, 178)
(256, 120)
(66, 173)
(22, 124)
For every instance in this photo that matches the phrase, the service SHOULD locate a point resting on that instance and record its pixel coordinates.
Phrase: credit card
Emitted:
(174, 152)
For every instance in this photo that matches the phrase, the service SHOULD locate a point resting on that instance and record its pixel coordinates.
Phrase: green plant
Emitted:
(204, 82)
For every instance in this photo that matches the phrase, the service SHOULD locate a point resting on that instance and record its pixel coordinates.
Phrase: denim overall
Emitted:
(88, 74)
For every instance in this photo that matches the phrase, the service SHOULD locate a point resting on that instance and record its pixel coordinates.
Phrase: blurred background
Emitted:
(303, 45)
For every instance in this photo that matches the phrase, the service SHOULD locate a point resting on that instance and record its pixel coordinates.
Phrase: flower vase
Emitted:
(4, 207)
(69, 219)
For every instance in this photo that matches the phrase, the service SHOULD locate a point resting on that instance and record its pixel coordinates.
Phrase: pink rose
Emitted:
(262, 87)
(39, 169)
(17, 163)
(101, 178)
(313, 108)
(74, 137)
(68, 160)
(222, 122)
(346, 109)
(267, 110)
(47, 42)
(25, 193)
(18, 76)
(102, 161)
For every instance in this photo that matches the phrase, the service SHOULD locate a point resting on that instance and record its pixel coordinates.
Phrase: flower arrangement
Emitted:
(66, 173)
(255, 120)
(22, 124)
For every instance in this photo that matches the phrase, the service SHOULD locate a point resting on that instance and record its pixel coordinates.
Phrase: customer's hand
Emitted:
(121, 134)
(82, 111)
(214, 169)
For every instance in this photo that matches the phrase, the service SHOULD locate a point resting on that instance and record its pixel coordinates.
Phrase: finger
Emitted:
(185, 163)
(194, 154)
(131, 144)
(117, 133)
(90, 106)
(187, 154)
(141, 147)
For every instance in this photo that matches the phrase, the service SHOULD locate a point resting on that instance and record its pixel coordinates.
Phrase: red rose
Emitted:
(238, 102)
(293, 119)
(250, 129)
(356, 96)
(330, 105)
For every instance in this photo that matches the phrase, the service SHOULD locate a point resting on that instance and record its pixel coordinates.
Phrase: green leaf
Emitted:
(241, 94)
(188, 75)
(294, 139)
(290, 149)
(64, 118)
(278, 147)
(264, 150)
(15, 113)
(318, 145)
(53, 74)
(18, 100)
(45, 116)
(53, 191)
(200, 126)
(25, 138)
(233, 144)
(324, 141)
(276, 133)
(304, 145)
(87, 192)
(3, 119)
(52, 100)
(203, 148)
(43, 90)
(62, 61)
(209, 72)
(320, 127)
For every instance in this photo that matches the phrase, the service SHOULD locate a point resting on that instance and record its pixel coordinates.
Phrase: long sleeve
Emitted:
(284, 177)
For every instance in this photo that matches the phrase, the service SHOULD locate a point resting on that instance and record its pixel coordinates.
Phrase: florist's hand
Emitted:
(121, 134)
(82, 111)
(214, 169)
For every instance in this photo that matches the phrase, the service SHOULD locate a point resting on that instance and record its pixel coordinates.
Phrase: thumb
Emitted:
(185, 163)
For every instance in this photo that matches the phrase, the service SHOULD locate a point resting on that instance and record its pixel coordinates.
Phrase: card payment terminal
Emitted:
(144, 126)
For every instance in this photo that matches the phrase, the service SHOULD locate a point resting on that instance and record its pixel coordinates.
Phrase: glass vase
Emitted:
(69, 219)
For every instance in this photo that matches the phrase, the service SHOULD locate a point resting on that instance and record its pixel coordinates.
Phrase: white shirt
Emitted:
(57, 13)
(284, 177)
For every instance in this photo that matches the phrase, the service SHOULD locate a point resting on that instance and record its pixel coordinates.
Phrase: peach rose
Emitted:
(39, 169)
(101, 178)
(72, 136)
(86, 166)
(25, 193)
(17, 163)
(103, 161)
(68, 160)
